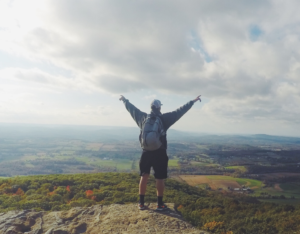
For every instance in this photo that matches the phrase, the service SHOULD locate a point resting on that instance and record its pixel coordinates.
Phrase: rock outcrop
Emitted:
(95, 220)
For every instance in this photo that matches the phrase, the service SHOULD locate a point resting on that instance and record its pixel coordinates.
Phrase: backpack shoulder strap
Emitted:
(144, 121)
(161, 120)
(162, 127)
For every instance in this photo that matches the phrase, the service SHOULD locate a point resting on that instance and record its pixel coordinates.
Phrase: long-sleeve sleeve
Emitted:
(135, 113)
(171, 117)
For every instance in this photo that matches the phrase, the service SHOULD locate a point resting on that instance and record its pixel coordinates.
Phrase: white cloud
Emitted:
(201, 47)
(151, 97)
(41, 78)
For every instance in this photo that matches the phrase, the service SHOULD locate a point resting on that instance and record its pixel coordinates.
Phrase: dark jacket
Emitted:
(168, 119)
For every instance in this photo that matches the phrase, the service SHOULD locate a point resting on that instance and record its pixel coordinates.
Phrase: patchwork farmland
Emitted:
(220, 182)
(285, 192)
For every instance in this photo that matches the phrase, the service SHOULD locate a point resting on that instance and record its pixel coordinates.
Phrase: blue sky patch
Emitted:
(197, 44)
(255, 32)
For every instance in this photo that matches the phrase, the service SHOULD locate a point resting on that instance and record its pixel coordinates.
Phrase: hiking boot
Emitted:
(142, 207)
(162, 207)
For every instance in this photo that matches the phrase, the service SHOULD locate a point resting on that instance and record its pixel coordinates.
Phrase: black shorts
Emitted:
(157, 159)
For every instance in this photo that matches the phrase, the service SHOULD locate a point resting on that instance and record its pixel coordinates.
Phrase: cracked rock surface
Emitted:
(95, 220)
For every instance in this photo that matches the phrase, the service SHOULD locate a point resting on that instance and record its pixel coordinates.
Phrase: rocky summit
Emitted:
(95, 220)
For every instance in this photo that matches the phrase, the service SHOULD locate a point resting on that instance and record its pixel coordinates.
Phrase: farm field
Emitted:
(240, 168)
(216, 181)
(277, 175)
(118, 165)
(204, 164)
(213, 155)
(173, 163)
(288, 189)
(206, 147)
(51, 156)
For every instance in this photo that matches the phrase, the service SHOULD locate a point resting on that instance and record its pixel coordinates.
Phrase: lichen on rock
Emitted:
(97, 219)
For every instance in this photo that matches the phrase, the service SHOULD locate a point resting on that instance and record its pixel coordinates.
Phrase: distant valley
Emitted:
(217, 162)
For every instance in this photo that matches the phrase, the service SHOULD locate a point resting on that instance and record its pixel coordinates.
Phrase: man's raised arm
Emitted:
(135, 113)
(171, 117)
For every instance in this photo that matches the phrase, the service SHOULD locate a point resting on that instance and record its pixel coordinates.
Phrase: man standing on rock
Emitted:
(153, 141)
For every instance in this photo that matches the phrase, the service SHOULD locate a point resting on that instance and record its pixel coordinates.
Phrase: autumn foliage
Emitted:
(89, 193)
(20, 192)
(212, 211)
(213, 226)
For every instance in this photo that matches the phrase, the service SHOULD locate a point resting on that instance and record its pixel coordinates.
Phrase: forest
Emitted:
(209, 210)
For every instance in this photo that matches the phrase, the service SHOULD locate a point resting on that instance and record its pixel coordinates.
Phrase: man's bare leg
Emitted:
(143, 184)
(142, 190)
(160, 186)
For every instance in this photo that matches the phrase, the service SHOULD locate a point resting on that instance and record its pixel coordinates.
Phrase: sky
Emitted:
(67, 62)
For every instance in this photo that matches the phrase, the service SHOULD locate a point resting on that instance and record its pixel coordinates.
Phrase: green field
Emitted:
(216, 182)
(249, 182)
(120, 164)
(289, 189)
(204, 164)
(220, 182)
(240, 168)
(200, 164)
(205, 147)
(173, 163)
(241, 181)
(291, 186)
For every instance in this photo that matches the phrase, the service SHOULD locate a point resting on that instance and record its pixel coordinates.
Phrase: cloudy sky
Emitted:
(67, 62)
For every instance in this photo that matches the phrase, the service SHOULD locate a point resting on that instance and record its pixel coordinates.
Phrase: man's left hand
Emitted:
(197, 98)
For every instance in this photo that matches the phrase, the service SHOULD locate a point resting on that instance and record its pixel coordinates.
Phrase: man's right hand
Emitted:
(122, 98)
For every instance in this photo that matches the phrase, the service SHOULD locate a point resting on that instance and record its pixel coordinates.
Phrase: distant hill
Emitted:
(114, 133)
(91, 133)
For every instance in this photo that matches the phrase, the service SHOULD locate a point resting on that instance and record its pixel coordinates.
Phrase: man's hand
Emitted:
(122, 98)
(197, 98)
